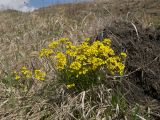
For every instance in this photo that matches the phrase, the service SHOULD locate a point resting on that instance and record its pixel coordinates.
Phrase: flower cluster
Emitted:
(60, 60)
(27, 74)
(46, 52)
(84, 58)
(17, 76)
(39, 75)
(69, 86)
(90, 57)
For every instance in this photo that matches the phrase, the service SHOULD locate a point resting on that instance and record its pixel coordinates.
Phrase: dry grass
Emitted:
(22, 35)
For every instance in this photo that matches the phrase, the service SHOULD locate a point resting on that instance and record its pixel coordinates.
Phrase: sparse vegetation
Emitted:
(50, 71)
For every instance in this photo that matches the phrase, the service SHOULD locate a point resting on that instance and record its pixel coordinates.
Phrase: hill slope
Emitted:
(133, 26)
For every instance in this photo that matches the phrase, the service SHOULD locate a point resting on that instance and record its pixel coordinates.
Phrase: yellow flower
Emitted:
(24, 68)
(83, 71)
(85, 57)
(120, 68)
(75, 65)
(96, 62)
(91, 51)
(107, 41)
(17, 77)
(39, 75)
(71, 50)
(45, 52)
(61, 60)
(81, 57)
(114, 64)
(69, 86)
(83, 47)
(87, 39)
(53, 44)
(123, 55)
(26, 72)
(106, 51)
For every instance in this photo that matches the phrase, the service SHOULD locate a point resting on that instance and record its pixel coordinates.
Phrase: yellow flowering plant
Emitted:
(39, 75)
(25, 78)
(80, 66)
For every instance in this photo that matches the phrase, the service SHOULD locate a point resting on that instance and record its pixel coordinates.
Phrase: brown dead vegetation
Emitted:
(133, 26)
